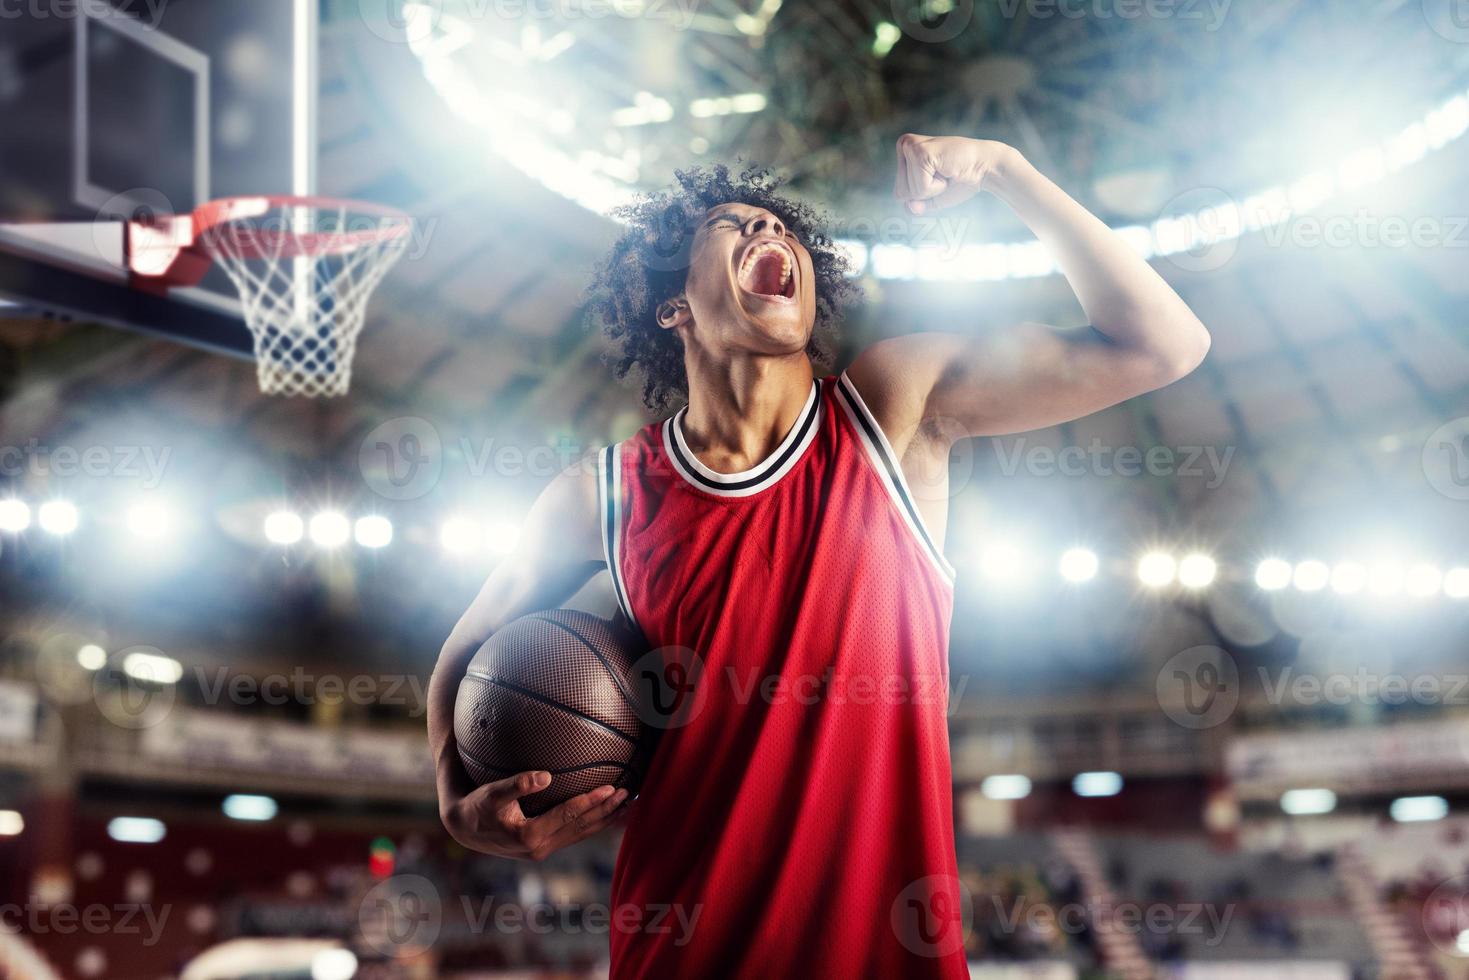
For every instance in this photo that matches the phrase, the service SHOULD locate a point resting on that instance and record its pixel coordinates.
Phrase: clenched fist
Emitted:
(940, 171)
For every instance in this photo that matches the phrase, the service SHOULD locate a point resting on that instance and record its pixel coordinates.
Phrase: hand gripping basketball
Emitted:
(547, 725)
(490, 819)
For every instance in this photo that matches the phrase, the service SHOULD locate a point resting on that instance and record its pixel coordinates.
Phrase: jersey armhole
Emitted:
(609, 510)
(889, 470)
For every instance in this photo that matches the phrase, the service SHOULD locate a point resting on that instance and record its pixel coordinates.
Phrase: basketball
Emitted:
(554, 691)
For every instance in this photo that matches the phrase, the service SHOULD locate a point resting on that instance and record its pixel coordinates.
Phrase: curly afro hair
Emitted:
(649, 264)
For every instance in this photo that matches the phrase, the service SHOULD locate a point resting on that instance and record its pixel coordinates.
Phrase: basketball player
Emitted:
(802, 817)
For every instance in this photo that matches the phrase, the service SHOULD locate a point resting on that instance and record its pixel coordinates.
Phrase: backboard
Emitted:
(118, 108)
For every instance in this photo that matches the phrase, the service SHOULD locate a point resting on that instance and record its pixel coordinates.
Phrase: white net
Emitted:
(305, 271)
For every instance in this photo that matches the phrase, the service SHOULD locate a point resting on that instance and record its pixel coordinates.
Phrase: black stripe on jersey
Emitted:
(608, 490)
(773, 465)
(895, 475)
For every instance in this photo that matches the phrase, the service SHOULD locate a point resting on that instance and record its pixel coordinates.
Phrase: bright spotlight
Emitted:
(58, 517)
(374, 532)
(501, 537)
(15, 516)
(1097, 784)
(247, 806)
(1156, 569)
(461, 536)
(334, 964)
(1348, 578)
(1456, 583)
(284, 527)
(1311, 575)
(329, 529)
(1272, 574)
(153, 667)
(1196, 571)
(1007, 787)
(148, 519)
(1385, 579)
(92, 657)
(1419, 809)
(887, 35)
(1079, 565)
(11, 823)
(136, 830)
(1002, 562)
(1308, 802)
(1423, 580)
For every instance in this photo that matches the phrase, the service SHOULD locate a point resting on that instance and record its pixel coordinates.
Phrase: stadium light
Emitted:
(136, 830)
(461, 536)
(284, 527)
(1385, 579)
(1456, 583)
(149, 520)
(1097, 784)
(373, 531)
(1311, 575)
(887, 35)
(92, 657)
(334, 964)
(501, 537)
(1348, 578)
(1308, 802)
(1423, 580)
(1272, 574)
(58, 517)
(247, 806)
(1002, 563)
(1079, 565)
(329, 529)
(1007, 787)
(1197, 571)
(156, 668)
(1156, 569)
(745, 102)
(15, 516)
(1419, 809)
(11, 823)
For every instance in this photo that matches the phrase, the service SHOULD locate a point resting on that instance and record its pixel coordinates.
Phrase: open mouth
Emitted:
(768, 269)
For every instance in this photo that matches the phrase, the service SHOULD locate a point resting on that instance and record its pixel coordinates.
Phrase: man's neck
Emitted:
(741, 409)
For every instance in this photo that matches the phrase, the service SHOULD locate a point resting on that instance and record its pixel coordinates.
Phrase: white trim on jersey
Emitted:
(609, 507)
(890, 470)
(753, 480)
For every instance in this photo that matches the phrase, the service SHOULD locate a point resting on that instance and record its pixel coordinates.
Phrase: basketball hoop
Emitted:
(305, 268)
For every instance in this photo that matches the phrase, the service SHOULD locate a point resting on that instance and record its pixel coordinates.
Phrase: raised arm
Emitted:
(1141, 335)
(559, 550)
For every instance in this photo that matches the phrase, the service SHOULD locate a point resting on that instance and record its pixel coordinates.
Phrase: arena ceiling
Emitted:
(1331, 362)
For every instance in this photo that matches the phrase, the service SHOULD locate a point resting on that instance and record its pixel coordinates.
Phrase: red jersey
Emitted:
(796, 819)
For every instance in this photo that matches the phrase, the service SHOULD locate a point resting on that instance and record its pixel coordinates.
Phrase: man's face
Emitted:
(750, 283)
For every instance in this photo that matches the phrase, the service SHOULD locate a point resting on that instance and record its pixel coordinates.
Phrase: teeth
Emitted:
(753, 255)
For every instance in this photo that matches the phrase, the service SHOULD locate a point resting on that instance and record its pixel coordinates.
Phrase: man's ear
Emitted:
(674, 312)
